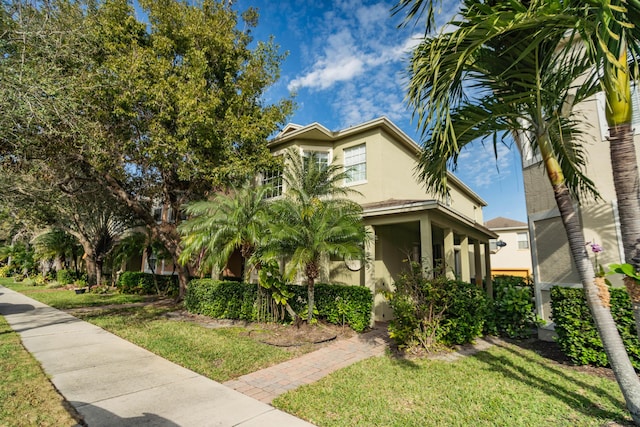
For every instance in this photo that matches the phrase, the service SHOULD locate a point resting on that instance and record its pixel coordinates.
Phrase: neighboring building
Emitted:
(552, 262)
(510, 251)
(405, 220)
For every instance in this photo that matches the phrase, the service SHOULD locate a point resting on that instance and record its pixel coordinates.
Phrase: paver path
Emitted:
(269, 383)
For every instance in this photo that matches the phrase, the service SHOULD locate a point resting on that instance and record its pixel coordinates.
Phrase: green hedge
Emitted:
(336, 304)
(513, 313)
(577, 335)
(139, 283)
(65, 277)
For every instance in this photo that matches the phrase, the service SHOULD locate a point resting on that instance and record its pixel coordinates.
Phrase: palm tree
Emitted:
(226, 223)
(59, 246)
(312, 222)
(522, 82)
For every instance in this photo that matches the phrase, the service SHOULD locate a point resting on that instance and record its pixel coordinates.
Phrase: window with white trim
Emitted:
(523, 240)
(272, 178)
(355, 163)
(321, 157)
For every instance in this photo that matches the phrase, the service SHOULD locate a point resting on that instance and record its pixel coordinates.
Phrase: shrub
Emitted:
(577, 335)
(337, 304)
(139, 283)
(430, 313)
(236, 300)
(465, 312)
(513, 314)
(65, 277)
(6, 271)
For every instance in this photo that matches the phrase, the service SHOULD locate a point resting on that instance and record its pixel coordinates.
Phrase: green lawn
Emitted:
(505, 386)
(65, 298)
(27, 397)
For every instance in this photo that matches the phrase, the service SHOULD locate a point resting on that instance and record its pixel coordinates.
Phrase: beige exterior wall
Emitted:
(552, 260)
(511, 259)
(391, 158)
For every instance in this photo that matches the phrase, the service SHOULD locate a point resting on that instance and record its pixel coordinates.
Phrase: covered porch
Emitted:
(428, 232)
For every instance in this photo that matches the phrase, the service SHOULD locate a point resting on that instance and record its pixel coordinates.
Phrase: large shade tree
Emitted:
(522, 81)
(160, 111)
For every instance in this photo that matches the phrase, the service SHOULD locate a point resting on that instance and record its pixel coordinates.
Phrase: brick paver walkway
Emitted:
(269, 383)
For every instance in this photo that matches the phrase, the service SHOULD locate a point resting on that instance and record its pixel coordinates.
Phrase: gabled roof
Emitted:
(316, 132)
(501, 222)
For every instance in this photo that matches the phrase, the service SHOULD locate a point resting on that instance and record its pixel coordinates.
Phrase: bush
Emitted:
(577, 335)
(139, 283)
(6, 271)
(513, 313)
(430, 313)
(65, 277)
(337, 304)
(236, 300)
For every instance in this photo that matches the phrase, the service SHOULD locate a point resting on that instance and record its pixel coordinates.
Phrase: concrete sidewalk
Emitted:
(112, 382)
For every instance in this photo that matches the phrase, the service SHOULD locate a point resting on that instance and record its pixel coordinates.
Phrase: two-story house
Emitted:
(405, 220)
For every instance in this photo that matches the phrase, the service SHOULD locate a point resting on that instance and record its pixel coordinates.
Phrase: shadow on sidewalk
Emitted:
(93, 416)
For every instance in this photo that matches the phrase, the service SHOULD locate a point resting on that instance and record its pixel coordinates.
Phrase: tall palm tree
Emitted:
(313, 221)
(228, 222)
(522, 82)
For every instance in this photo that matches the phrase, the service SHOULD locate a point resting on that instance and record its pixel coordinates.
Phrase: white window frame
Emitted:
(304, 152)
(523, 244)
(353, 159)
(268, 178)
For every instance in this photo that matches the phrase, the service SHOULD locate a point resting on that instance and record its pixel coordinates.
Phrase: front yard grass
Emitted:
(27, 398)
(504, 386)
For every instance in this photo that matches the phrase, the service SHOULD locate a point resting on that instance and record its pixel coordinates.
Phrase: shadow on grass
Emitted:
(552, 382)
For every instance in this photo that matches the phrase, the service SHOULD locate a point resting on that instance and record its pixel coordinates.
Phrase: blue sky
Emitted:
(346, 62)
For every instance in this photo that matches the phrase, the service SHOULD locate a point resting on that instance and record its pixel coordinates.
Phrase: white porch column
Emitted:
(426, 245)
(487, 266)
(449, 253)
(465, 270)
(369, 272)
(477, 262)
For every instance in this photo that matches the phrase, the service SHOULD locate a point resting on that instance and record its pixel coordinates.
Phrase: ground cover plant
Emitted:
(505, 385)
(26, 395)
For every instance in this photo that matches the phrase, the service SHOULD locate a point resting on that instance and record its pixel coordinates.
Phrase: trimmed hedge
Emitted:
(236, 300)
(139, 283)
(577, 335)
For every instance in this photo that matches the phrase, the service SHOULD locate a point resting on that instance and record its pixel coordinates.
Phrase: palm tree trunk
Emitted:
(627, 186)
(598, 302)
(310, 298)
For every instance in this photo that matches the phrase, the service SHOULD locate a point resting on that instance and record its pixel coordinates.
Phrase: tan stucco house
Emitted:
(511, 250)
(552, 262)
(405, 220)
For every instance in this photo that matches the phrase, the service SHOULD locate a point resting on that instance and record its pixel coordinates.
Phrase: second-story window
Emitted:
(320, 157)
(523, 240)
(355, 163)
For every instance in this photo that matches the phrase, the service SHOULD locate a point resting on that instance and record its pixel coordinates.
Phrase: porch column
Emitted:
(487, 266)
(426, 245)
(369, 271)
(477, 262)
(465, 270)
(449, 254)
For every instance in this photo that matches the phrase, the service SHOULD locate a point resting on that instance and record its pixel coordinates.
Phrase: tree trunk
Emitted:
(625, 178)
(310, 298)
(598, 301)
(92, 269)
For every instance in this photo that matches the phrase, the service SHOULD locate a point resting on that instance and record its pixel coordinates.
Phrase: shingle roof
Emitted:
(501, 222)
